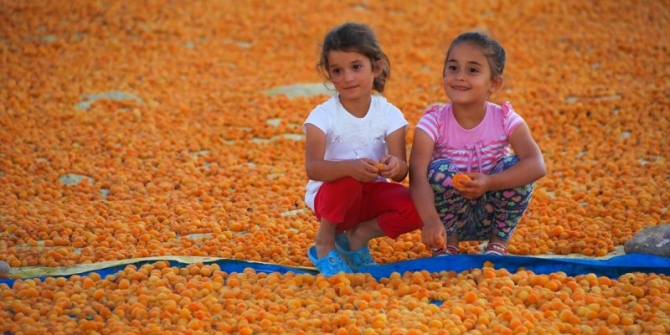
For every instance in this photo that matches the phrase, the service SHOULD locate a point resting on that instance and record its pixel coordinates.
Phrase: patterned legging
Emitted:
(495, 213)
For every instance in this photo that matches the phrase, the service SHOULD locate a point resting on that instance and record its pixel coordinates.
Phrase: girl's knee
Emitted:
(440, 174)
(505, 163)
(406, 210)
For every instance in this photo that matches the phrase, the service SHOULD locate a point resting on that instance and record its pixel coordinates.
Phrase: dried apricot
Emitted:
(458, 179)
(440, 241)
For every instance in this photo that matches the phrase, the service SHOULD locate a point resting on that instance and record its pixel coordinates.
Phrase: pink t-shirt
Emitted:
(476, 149)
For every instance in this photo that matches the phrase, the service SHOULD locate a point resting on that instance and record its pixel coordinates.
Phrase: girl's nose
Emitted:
(348, 76)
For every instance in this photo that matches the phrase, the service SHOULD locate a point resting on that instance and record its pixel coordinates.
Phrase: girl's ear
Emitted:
(378, 68)
(496, 84)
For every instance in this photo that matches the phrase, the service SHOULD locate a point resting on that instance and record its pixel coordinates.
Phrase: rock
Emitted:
(89, 99)
(301, 90)
(74, 179)
(4, 269)
(651, 240)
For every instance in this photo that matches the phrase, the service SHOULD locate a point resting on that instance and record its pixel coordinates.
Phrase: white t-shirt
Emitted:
(349, 137)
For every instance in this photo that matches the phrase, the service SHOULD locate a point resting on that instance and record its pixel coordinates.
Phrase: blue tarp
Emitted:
(612, 267)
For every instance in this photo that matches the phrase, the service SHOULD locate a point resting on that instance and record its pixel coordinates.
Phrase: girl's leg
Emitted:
(454, 210)
(337, 205)
(325, 238)
(506, 207)
(361, 234)
(387, 210)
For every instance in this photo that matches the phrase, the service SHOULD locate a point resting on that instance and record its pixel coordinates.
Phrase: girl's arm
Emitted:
(319, 169)
(422, 193)
(529, 168)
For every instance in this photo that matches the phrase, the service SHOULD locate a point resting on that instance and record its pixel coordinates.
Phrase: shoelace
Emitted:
(450, 250)
(495, 248)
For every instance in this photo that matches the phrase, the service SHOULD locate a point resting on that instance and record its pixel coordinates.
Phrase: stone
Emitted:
(74, 179)
(651, 240)
(301, 90)
(89, 99)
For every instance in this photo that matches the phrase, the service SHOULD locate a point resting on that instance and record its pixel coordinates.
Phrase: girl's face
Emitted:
(467, 75)
(351, 73)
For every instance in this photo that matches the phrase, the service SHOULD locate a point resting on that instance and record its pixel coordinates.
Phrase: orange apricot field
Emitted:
(132, 129)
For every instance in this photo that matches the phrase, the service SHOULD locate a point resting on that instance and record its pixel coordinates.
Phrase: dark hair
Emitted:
(491, 49)
(356, 37)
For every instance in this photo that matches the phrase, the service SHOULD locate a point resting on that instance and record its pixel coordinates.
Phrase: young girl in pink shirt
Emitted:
(472, 136)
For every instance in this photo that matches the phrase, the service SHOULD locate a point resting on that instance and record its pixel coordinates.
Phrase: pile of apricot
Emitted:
(144, 129)
(200, 298)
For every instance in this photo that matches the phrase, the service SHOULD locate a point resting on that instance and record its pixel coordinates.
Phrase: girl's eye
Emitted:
(473, 70)
(357, 67)
(336, 71)
(451, 68)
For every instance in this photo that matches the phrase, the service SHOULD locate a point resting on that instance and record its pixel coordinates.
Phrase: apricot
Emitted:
(440, 241)
(458, 179)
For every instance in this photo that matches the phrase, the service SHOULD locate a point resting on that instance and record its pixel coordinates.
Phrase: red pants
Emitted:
(348, 202)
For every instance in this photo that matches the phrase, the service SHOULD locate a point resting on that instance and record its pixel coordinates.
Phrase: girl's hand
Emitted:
(363, 170)
(432, 235)
(391, 166)
(475, 188)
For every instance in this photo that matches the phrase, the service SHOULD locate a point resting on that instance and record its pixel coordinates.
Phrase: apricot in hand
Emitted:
(458, 179)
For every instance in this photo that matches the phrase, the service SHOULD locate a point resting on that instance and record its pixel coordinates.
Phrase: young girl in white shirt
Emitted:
(355, 143)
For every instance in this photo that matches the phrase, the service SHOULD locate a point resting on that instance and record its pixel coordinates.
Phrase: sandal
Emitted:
(329, 265)
(356, 259)
(495, 249)
(450, 250)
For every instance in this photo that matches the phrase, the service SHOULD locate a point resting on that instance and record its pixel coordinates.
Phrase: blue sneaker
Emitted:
(356, 259)
(329, 265)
